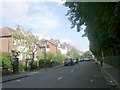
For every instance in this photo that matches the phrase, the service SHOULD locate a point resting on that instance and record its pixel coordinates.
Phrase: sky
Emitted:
(46, 19)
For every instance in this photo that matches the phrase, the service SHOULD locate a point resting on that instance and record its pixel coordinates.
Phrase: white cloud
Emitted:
(19, 14)
(40, 7)
(41, 22)
(58, 1)
(14, 10)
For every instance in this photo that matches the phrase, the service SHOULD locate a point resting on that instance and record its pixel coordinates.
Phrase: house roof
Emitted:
(6, 31)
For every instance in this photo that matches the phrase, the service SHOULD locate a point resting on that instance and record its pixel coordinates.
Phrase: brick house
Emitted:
(52, 46)
(5, 39)
(7, 42)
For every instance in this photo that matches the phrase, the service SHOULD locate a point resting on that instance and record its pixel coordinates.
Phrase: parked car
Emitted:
(75, 61)
(68, 62)
(86, 59)
(81, 60)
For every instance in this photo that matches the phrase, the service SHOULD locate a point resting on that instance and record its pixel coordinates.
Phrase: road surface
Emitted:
(83, 75)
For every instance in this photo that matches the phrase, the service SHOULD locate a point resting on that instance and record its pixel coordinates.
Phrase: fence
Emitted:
(113, 60)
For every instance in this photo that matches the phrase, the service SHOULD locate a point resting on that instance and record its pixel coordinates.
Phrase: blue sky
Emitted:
(46, 19)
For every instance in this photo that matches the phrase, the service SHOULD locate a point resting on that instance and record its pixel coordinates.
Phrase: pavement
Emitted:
(24, 74)
(112, 74)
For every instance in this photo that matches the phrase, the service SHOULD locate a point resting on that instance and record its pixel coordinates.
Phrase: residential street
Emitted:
(83, 75)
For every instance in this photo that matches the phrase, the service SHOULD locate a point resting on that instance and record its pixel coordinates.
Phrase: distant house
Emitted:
(63, 48)
(5, 39)
(52, 46)
(7, 44)
(81, 53)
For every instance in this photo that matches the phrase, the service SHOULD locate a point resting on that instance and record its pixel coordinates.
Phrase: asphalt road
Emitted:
(82, 75)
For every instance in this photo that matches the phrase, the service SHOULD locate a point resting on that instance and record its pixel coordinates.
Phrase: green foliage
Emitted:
(59, 56)
(74, 53)
(88, 54)
(41, 63)
(26, 39)
(76, 56)
(6, 60)
(21, 67)
(41, 57)
(113, 60)
(49, 56)
(34, 65)
(102, 25)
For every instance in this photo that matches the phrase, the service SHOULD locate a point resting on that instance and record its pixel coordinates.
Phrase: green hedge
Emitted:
(21, 67)
(113, 60)
(33, 65)
(41, 63)
(6, 60)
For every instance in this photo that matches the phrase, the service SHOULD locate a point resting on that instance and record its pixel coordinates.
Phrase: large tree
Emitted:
(102, 21)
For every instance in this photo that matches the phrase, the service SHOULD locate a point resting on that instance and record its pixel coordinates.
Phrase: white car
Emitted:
(86, 59)
(74, 60)
(80, 60)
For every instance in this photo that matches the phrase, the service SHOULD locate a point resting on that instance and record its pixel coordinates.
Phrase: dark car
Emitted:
(68, 62)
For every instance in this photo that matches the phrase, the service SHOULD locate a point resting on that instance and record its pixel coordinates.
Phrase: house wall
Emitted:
(53, 48)
(63, 51)
(5, 44)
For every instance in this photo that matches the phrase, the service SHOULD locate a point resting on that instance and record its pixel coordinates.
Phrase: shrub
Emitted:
(21, 67)
(33, 65)
(41, 63)
(6, 60)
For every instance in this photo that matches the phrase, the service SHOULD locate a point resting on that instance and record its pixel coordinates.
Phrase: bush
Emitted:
(113, 60)
(6, 60)
(21, 67)
(33, 65)
(41, 63)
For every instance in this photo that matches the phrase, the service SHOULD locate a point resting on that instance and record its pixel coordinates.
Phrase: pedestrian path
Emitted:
(112, 73)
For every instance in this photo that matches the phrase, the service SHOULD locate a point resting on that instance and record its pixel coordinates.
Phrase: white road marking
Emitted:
(91, 80)
(18, 80)
(34, 72)
(59, 78)
(111, 81)
(71, 70)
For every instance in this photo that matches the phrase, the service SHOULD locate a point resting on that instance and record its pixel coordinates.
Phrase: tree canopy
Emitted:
(102, 21)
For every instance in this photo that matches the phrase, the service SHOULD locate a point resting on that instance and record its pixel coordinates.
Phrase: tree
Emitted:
(49, 56)
(88, 54)
(59, 56)
(102, 25)
(73, 52)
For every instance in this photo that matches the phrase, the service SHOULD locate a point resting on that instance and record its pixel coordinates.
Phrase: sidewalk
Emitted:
(25, 74)
(112, 73)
